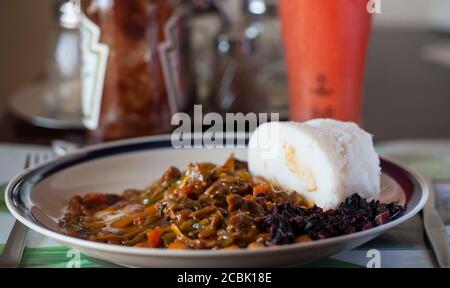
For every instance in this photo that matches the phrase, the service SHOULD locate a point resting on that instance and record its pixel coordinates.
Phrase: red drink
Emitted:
(325, 43)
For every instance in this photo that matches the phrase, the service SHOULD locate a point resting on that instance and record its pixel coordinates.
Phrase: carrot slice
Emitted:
(141, 244)
(154, 239)
(261, 188)
(178, 246)
(123, 221)
(150, 210)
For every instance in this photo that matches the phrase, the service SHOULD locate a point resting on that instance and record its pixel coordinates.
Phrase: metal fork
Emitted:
(435, 227)
(13, 249)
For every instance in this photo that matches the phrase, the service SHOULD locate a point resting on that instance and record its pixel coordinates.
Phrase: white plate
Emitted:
(37, 198)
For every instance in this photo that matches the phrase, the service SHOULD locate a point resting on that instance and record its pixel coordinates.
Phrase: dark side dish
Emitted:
(215, 207)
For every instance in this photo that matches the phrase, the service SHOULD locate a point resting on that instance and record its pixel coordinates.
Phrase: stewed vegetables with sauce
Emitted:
(214, 207)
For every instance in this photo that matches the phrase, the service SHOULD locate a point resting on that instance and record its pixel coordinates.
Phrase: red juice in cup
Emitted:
(325, 44)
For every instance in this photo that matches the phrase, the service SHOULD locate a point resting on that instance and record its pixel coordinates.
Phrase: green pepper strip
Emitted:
(169, 238)
(152, 200)
(138, 238)
(187, 225)
(150, 220)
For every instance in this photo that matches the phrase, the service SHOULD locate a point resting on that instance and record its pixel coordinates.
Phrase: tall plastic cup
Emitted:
(325, 44)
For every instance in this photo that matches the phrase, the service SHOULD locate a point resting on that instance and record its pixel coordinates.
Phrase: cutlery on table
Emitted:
(13, 249)
(62, 147)
(435, 227)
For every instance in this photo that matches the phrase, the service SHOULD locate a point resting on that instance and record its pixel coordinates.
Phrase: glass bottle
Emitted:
(135, 67)
(250, 68)
(63, 89)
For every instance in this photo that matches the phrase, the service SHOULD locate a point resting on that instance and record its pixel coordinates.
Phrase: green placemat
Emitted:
(3, 207)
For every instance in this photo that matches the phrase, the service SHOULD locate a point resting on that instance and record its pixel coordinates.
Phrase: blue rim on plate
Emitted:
(22, 185)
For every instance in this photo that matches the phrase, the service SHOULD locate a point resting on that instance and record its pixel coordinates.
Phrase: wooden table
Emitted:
(15, 130)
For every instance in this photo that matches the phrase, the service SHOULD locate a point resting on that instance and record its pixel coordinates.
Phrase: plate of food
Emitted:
(297, 193)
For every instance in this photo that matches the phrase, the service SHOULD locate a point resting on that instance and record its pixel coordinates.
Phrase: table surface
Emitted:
(402, 246)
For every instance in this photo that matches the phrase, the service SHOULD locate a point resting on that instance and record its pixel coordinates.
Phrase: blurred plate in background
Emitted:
(29, 104)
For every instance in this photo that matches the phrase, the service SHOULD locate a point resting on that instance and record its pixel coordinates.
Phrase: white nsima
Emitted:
(324, 160)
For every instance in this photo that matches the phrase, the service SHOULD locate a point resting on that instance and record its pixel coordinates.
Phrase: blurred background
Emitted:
(407, 85)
